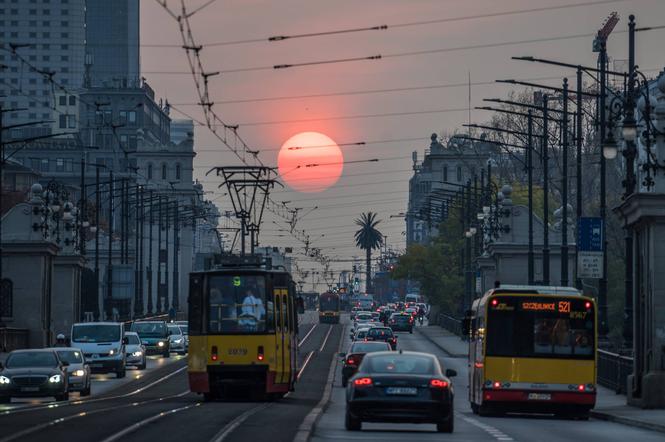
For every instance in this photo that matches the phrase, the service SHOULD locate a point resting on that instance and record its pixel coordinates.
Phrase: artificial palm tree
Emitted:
(368, 238)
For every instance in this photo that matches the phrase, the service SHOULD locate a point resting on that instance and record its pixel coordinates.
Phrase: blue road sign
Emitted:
(590, 234)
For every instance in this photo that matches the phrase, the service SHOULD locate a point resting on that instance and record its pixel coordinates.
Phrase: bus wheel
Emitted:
(488, 410)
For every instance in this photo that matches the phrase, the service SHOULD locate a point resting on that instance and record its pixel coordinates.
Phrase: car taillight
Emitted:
(351, 361)
(363, 382)
(213, 353)
(438, 383)
(259, 353)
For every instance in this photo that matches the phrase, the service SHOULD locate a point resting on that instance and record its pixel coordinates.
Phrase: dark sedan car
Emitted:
(33, 373)
(384, 334)
(400, 387)
(401, 322)
(354, 357)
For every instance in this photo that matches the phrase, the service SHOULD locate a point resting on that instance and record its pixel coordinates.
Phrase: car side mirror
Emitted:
(125, 340)
(342, 355)
(450, 373)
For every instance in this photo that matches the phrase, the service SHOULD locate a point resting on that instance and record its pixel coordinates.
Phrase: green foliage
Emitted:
(436, 266)
(368, 238)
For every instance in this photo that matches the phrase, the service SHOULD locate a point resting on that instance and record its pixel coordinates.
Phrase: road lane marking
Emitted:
(325, 340)
(307, 335)
(40, 427)
(144, 422)
(494, 432)
(302, 369)
(235, 423)
(93, 400)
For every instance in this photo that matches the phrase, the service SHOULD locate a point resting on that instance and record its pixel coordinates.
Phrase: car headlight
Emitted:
(56, 378)
(5, 380)
(78, 373)
(112, 352)
(178, 341)
(136, 354)
(160, 344)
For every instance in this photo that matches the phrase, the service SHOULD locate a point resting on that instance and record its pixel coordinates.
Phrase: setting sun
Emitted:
(310, 162)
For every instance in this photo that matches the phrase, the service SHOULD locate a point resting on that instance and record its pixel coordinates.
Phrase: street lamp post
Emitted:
(529, 159)
(564, 188)
(546, 208)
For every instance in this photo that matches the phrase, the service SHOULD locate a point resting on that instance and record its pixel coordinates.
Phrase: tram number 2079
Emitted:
(237, 351)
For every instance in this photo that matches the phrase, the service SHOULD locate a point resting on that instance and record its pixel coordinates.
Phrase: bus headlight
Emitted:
(55, 379)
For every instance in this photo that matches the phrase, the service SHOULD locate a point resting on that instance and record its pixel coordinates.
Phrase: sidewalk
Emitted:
(609, 405)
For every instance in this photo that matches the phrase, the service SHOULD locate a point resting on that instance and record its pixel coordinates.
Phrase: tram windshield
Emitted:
(238, 304)
(328, 303)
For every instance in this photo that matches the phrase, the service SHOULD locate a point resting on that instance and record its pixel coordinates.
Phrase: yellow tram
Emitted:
(329, 304)
(243, 327)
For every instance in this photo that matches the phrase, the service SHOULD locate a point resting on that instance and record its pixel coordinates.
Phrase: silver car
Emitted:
(184, 327)
(78, 371)
(177, 339)
(135, 351)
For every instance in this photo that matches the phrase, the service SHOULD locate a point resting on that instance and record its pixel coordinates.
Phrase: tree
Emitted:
(368, 238)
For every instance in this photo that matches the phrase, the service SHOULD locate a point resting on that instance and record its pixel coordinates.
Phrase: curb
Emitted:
(449, 354)
(626, 421)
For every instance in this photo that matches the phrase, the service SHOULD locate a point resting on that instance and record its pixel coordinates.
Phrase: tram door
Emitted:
(280, 331)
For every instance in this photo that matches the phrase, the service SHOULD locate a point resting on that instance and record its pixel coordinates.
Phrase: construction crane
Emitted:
(604, 32)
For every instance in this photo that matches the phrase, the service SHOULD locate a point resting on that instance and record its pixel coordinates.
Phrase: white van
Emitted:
(103, 346)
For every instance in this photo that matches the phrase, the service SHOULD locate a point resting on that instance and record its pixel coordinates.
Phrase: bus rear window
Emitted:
(540, 327)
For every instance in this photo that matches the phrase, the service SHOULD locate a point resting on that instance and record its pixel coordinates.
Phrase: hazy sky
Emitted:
(381, 186)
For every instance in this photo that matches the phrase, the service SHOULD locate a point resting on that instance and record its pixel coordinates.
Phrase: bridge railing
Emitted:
(13, 339)
(450, 323)
(613, 370)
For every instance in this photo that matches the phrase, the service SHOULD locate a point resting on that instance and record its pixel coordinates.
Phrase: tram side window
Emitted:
(237, 304)
(287, 314)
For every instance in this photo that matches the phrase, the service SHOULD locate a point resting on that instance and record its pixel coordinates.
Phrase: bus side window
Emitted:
(196, 302)
(287, 313)
(278, 312)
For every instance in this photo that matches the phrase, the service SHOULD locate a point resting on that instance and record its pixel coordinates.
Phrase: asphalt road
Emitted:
(159, 406)
(469, 427)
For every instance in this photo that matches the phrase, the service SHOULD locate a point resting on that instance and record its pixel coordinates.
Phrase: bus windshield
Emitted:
(96, 333)
(329, 303)
(238, 304)
(540, 327)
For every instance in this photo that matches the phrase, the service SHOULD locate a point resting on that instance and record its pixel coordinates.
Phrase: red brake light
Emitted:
(259, 353)
(495, 302)
(213, 353)
(362, 382)
(580, 387)
(438, 383)
(497, 385)
(351, 361)
(587, 305)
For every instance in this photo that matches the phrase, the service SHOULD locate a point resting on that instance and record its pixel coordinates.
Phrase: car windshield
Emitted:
(96, 333)
(70, 356)
(399, 364)
(369, 347)
(28, 359)
(175, 330)
(361, 334)
(133, 340)
(380, 333)
(239, 304)
(184, 329)
(364, 316)
(149, 328)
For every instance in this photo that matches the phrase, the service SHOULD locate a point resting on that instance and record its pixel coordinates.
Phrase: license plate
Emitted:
(402, 391)
(27, 389)
(96, 365)
(540, 396)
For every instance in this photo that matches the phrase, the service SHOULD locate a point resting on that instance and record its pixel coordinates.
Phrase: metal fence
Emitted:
(613, 370)
(13, 339)
(450, 323)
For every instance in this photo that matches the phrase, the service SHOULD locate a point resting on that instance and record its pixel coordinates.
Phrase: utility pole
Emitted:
(150, 247)
(529, 167)
(167, 223)
(564, 188)
(123, 216)
(546, 191)
(176, 249)
(82, 209)
(138, 303)
(98, 208)
(578, 161)
(109, 268)
(141, 246)
(160, 226)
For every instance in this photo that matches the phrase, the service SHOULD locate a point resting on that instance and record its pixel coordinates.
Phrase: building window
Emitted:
(44, 165)
(459, 174)
(177, 171)
(72, 100)
(62, 100)
(6, 298)
(63, 122)
(59, 165)
(149, 171)
(163, 171)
